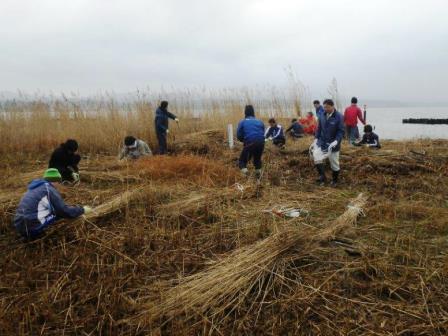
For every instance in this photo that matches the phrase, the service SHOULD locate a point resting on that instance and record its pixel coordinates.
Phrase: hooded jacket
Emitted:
(161, 120)
(329, 129)
(250, 130)
(40, 207)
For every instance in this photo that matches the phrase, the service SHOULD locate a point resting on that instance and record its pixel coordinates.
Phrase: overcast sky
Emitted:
(380, 49)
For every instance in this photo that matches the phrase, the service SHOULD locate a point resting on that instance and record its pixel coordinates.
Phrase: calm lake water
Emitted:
(388, 122)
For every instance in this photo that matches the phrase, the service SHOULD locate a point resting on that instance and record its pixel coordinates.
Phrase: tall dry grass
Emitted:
(38, 124)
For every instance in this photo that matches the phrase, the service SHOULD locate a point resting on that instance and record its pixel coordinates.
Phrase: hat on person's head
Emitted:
(71, 145)
(52, 175)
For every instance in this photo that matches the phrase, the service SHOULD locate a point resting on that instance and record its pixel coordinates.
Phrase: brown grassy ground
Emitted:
(179, 217)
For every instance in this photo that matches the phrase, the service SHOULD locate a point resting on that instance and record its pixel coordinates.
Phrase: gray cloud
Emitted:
(378, 49)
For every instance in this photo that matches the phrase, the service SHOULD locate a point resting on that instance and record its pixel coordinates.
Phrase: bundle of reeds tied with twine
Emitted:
(225, 286)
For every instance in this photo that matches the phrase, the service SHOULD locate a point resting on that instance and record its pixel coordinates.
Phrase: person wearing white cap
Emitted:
(134, 149)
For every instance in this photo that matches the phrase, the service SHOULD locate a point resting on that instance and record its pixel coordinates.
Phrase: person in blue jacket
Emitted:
(275, 133)
(161, 124)
(327, 143)
(251, 133)
(295, 130)
(42, 206)
(319, 109)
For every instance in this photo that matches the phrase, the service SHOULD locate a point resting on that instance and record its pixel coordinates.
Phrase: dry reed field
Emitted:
(183, 245)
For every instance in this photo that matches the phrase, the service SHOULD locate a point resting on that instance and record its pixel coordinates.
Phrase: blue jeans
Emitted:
(352, 133)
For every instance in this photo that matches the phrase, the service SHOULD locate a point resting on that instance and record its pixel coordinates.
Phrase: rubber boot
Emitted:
(321, 170)
(334, 181)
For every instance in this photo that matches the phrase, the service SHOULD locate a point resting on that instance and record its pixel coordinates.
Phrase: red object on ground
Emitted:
(309, 124)
(351, 116)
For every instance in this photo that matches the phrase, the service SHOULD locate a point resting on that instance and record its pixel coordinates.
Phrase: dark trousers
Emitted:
(66, 172)
(279, 142)
(252, 151)
(161, 138)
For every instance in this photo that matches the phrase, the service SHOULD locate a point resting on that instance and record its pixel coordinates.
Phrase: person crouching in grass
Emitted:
(251, 133)
(369, 139)
(66, 160)
(327, 143)
(42, 205)
(275, 133)
(134, 149)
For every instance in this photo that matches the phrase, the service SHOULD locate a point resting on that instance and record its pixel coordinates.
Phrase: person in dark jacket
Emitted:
(369, 139)
(42, 206)
(327, 143)
(319, 109)
(161, 124)
(251, 133)
(275, 133)
(66, 160)
(295, 129)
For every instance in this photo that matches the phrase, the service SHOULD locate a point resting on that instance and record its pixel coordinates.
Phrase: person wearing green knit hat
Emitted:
(42, 205)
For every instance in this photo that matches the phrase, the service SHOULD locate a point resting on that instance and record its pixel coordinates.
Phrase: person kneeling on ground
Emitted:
(369, 139)
(65, 160)
(134, 149)
(295, 130)
(275, 133)
(327, 143)
(309, 124)
(42, 206)
(251, 133)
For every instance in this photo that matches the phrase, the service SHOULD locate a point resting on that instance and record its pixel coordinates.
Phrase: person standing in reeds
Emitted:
(251, 133)
(351, 116)
(66, 160)
(42, 206)
(319, 109)
(161, 124)
(134, 149)
(327, 143)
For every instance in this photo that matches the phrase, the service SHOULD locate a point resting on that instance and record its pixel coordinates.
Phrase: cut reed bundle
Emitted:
(226, 285)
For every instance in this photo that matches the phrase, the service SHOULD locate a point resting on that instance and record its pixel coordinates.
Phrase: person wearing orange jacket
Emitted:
(309, 123)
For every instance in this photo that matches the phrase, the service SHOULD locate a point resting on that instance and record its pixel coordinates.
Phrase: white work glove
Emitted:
(167, 131)
(176, 120)
(87, 210)
(333, 145)
(75, 176)
(266, 140)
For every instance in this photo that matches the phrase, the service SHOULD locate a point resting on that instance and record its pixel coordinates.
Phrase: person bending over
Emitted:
(369, 139)
(66, 160)
(134, 149)
(275, 133)
(295, 130)
(251, 133)
(42, 206)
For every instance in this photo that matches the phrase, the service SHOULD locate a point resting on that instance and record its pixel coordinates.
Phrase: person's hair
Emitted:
(293, 121)
(71, 145)
(368, 129)
(129, 140)
(316, 102)
(249, 111)
(328, 102)
(311, 113)
(354, 100)
(164, 104)
(272, 121)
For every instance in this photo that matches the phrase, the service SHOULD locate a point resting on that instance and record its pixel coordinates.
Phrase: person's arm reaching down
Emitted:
(61, 209)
